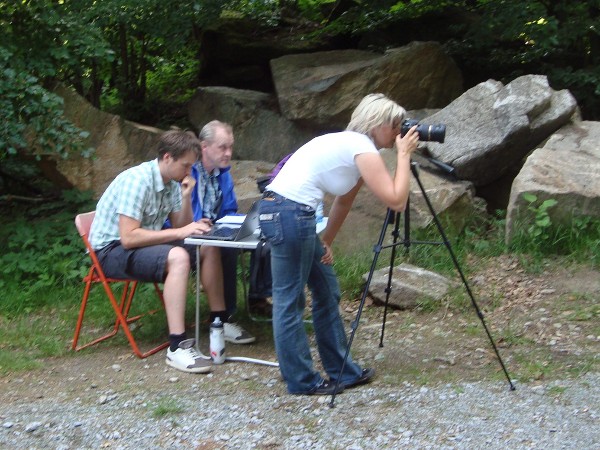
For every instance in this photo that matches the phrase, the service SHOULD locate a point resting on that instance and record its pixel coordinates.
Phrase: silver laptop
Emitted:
(227, 232)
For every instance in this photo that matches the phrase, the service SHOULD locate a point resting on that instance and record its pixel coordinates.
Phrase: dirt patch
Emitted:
(545, 326)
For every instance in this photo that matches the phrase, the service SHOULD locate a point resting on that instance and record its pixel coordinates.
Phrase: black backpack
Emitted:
(260, 271)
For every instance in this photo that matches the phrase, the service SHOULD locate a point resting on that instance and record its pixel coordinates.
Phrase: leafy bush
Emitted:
(578, 237)
(32, 116)
(513, 38)
(42, 251)
(538, 231)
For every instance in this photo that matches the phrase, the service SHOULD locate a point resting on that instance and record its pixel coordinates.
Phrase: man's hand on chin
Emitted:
(187, 185)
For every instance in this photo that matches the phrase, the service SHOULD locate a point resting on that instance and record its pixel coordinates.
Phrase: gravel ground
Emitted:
(248, 408)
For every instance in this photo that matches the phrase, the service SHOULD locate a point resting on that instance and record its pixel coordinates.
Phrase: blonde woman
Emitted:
(339, 164)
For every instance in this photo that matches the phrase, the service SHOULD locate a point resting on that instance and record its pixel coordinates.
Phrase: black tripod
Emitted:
(394, 218)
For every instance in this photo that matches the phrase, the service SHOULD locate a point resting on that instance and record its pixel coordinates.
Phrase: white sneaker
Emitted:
(236, 334)
(187, 359)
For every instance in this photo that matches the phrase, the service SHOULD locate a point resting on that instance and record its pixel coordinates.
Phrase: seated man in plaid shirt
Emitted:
(128, 237)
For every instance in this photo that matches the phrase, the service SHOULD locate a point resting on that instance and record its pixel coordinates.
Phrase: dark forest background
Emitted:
(143, 59)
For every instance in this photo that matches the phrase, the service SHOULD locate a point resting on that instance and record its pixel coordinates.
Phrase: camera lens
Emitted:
(427, 132)
(436, 133)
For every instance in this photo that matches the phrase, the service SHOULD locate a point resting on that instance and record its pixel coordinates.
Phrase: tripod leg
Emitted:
(388, 288)
(438, 224)
(377, 249)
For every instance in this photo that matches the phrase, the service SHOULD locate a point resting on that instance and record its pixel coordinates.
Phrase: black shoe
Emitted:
(364, 378)
(327, 388)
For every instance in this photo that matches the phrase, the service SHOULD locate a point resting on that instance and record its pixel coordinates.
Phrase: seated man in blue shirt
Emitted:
(128, 236)
(213, 198)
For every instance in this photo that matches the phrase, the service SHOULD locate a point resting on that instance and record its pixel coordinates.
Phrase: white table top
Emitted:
(248, 243)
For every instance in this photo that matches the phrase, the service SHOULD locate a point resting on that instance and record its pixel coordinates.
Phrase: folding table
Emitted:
(248, 243)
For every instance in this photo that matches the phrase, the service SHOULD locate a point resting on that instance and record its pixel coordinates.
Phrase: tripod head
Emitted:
(447, 168)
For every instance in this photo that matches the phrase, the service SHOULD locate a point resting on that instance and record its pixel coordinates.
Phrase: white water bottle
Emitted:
(217, 341)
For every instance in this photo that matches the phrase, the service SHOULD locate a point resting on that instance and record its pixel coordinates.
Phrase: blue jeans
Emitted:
(296, 253)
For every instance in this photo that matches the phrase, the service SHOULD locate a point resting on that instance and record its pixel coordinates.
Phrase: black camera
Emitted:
(426, 132)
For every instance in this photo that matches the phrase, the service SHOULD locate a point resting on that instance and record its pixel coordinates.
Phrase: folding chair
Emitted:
(83, 222)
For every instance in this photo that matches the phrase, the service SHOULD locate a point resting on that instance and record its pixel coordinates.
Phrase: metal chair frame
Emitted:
(83, 222)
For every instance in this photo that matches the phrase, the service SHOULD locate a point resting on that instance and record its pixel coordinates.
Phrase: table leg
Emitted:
(197, 325)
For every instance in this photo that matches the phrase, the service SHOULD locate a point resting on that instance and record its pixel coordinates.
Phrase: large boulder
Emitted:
(245, 174)
(491, 127)
(323, 88)
(119, 144)
(451, 199)
(261, 133)
(565, 169)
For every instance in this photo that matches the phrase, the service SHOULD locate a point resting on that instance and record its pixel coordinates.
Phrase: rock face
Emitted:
(451, 199)
(419, 75)
(491, 127)
(119, 144)
(323, 88)
(230, 58)
(565, 169)
(261, 133)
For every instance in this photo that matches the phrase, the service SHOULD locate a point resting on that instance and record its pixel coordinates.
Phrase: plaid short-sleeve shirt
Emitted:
(139, 193)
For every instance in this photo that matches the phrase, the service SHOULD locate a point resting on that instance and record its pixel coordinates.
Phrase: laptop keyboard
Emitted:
(223, 232)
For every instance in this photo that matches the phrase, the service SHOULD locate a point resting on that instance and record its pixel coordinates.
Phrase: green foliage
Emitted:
(350, 270)
(577, 236)
(536, 233)
(136, 57)
(538, 230)
(173, 80)
(42, 251)
(484, 235)
(32, 116)
(145, 36)
(170, 85)
(52, 38)
(98, 48)
(41, 41)
(584, 84)
(559, 39)
(499, 39)
(428, 250)
(264, 12)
